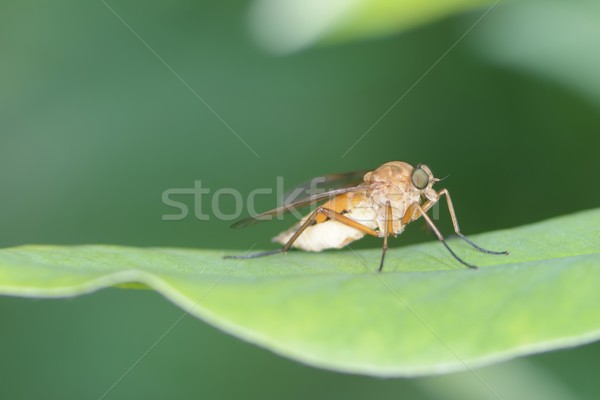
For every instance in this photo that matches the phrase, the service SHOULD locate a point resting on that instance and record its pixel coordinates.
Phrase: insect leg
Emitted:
(347, 221)
(321, 210)
(389, 227)
(439, 235)
(255, 255)
(444, 192)
(289, 243)
(412, 214)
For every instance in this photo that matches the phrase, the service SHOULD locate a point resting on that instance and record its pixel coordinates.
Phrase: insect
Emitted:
(380, 204)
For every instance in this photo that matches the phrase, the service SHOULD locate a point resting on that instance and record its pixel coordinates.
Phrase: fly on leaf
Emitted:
(379, 203)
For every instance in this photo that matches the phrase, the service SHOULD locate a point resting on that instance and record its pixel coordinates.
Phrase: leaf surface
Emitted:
(425, 314)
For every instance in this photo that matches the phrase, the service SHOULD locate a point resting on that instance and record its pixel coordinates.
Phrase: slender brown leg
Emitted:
(438, 234)
(444, 192)
(388, 228)
(321, 210)
(411, 216)
(411, 213)
(347, 221)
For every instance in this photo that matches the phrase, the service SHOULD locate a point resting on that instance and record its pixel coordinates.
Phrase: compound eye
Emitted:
(420, 178)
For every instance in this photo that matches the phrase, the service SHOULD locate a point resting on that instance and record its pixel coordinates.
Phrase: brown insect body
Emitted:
(389, 183)
(387, 199)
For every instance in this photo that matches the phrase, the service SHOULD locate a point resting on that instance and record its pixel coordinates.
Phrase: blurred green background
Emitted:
(94, 127)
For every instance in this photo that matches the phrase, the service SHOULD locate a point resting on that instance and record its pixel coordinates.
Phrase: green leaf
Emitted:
(425, 314)
(286, 26)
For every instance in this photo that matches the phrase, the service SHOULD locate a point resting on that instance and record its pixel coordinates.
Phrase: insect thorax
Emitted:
(400, 196)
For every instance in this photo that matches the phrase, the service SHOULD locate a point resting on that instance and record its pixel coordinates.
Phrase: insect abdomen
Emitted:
(330, 234)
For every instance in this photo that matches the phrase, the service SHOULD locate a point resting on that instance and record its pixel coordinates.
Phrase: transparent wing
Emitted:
(289, 207)
(323, 184)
